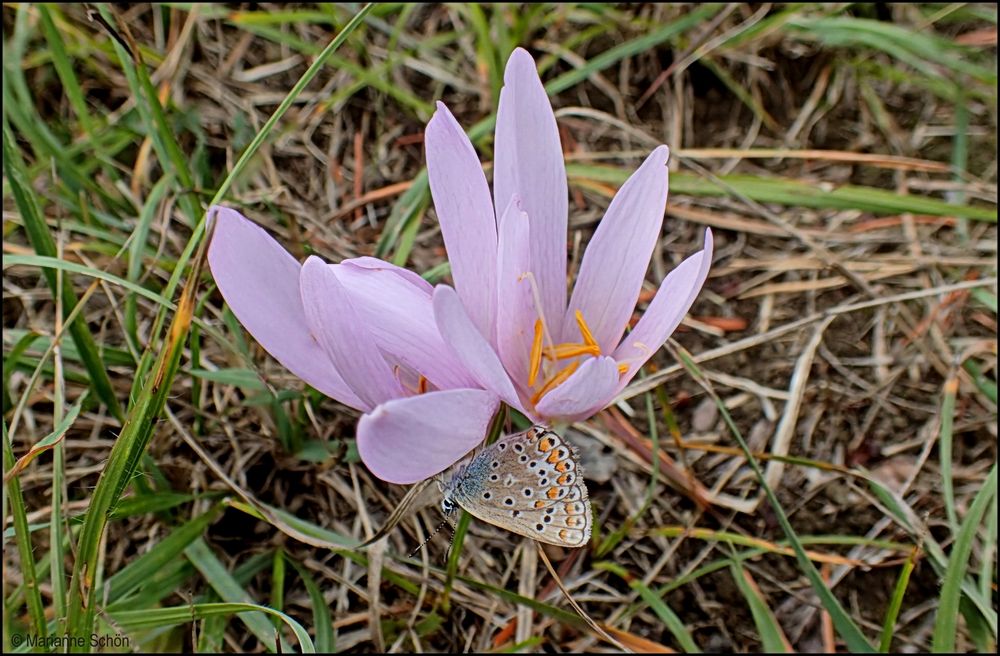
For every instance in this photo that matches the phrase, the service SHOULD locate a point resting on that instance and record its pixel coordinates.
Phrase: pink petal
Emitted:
(617, 257)
(339, 329)
(407, 440)
(673, 299)
(516, 311)
(470, 346)
(398, 311)
(375, 264)
(465, 212)
(260, 281)
(528, 161)
(587, 391)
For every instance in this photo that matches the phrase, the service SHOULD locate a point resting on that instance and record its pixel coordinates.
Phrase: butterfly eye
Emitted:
(447, 506)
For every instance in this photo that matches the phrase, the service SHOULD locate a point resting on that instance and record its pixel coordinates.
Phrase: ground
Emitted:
(844, 157)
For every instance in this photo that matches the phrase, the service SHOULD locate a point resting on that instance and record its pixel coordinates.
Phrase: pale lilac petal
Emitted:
(260, 281)
(528, 162)
(516, 311)
(399, 313)
(470, 346)
(375, 264)
(465, 211)
(617, 257)
(587, 391)
(339, 329)
(673, 299)
(407, 440)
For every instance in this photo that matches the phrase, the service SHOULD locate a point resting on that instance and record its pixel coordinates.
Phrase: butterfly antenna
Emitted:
(430, 537)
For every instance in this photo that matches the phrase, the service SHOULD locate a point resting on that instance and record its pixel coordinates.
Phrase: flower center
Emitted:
(556, 373)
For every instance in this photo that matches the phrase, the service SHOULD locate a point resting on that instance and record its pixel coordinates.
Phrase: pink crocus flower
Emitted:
(508, 320)
(363, 333)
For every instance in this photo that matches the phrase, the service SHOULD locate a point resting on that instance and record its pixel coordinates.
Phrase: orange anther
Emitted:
(571, 350)
(536, 353)
(554, 381)
(588, 338)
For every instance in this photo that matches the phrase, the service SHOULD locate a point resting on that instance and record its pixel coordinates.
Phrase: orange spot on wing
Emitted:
(554, 458)
(563, 480)
(545, 445)
(562, 466)
(552, 493)
(539, 504)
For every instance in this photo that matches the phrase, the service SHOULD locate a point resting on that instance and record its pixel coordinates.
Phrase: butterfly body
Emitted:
(529, 483)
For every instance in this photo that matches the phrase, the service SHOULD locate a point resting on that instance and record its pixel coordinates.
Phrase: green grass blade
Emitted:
(278, 583)
(46, 443)
(230, 591)
(772, 638)
(845, 626)
(986, 297)
(136, 250)
(22, 536)
(946, 622)
(984, 384)
(945, 449)
(630, 48)
(160, 617)
(64, 69)
(170, 548)
(171, 156)
(322, 617)
(784, 191)
(41, 239)
(23, 343)
(123, 461)
(666, 614)
(896, 602)
(46, 262)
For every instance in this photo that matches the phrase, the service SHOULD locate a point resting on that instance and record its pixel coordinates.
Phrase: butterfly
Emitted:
(529, 483)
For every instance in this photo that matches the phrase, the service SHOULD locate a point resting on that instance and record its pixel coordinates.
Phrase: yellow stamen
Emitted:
(623, 368)
(536, 353)
(422, 383)
(555, 381)
(565, 351)
(588, 338)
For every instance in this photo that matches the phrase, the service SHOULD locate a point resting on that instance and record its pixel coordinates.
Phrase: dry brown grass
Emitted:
(830, 333)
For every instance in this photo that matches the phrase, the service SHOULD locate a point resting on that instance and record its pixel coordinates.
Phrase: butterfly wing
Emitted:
(529, 483)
